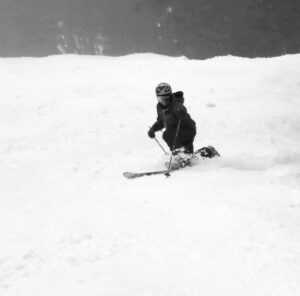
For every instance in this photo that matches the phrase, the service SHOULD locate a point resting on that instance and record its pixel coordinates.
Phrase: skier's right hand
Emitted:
(151, 133)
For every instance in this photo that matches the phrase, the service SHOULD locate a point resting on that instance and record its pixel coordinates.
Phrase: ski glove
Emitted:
(151, 133)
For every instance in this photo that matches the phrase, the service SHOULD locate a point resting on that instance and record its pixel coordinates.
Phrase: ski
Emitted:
(130, 175)
(205, 152)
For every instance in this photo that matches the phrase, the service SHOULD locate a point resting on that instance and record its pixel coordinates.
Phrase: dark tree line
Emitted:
(194, 28)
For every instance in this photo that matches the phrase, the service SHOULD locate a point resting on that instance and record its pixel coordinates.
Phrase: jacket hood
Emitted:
(178, 97)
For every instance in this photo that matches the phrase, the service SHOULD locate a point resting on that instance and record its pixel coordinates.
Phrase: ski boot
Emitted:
(181, 158)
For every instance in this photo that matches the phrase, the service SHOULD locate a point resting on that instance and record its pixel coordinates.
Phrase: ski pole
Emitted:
(167, 174)
(160, 146)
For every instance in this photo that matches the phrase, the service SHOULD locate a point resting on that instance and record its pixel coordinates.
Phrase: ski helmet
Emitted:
(163, 89)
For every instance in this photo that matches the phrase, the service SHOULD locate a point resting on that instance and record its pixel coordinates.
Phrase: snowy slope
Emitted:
(71, 224)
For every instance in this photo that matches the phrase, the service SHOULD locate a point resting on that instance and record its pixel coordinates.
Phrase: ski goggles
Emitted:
(164, 99)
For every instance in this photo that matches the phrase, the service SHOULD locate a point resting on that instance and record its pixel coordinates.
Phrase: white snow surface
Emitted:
(72, 225)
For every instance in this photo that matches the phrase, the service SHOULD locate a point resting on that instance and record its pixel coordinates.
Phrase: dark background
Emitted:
(194, 28)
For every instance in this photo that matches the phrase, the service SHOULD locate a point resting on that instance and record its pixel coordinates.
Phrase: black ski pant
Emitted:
(185, 139)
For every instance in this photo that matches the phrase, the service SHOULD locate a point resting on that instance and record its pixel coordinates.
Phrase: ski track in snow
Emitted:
(71, 224)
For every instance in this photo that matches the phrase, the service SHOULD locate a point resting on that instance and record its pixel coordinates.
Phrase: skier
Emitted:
(180, 128)
(179, 131)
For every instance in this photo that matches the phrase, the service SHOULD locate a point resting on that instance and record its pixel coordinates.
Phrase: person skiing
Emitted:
(172, 115)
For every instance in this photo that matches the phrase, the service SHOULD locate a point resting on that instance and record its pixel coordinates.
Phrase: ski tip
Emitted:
(129, 175)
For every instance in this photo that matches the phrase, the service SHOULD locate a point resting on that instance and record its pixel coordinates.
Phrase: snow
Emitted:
(71, 224)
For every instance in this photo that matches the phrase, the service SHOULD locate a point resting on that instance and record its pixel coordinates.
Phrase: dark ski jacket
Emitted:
(168, 117)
